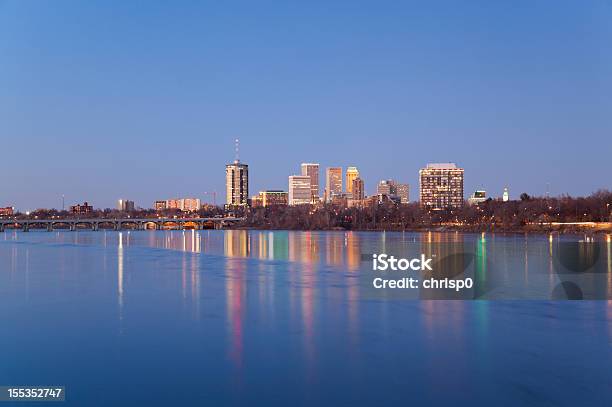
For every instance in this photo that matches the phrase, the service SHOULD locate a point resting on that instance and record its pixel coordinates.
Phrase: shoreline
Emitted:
(597, 230)
(530, 229)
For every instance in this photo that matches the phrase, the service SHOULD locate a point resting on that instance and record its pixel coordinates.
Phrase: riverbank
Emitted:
(588, 228)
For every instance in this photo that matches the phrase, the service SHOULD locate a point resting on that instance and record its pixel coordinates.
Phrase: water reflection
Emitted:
(120, 274)
(235, 294)
(242, 308)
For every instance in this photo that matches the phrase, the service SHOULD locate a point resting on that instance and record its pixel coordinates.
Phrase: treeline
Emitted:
(526, 213)
(491, 214)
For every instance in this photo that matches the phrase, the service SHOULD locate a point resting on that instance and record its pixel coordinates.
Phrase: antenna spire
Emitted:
(237, 151)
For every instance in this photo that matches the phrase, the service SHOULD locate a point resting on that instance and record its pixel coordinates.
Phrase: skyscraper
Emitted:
(299, 190)
(351, 174)
(441, 186)
(125, 205)
(358, 189)
(312, 170)
(333, 182)
(236, 184)
(403, 192)
(400, 193)
(386, 187)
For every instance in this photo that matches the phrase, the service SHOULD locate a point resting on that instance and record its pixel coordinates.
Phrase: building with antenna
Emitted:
(236, 182)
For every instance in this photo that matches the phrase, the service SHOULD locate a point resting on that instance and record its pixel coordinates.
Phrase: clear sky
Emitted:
(142, 99)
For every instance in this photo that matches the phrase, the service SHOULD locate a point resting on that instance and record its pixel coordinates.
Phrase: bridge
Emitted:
(117, 224)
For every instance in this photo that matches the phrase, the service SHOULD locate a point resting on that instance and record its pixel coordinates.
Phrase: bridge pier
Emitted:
(94, 226)
(72, 227)
(1, 227)
(49, 227)
(26, 227)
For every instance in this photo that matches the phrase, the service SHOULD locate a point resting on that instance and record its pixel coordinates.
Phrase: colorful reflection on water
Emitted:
(277, 317)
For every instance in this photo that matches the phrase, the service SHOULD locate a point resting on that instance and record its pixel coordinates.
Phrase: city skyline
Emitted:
(143, 102)
(237, 172)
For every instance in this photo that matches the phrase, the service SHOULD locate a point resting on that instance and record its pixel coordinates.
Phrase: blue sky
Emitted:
(142, 100)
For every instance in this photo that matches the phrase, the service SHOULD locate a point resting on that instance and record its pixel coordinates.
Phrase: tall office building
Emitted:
(333, 182)
(236, 184)
(358, 189)
(299, 190)
(399, 193)
(312, 170)
(386, 187)
(441, 186)
(403, 193)
(125, 205)
(351, 174)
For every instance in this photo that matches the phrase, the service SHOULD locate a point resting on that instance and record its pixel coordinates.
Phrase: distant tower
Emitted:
(333, 182)
(300, 192)
(358, 191)
(506, 195)
(351, 174)
(237, 181)
(312, 170)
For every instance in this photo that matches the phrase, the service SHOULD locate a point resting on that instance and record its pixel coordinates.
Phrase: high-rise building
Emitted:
(333, 182)
(441, 186)
(351, 174)
(399, 193)
(386, 187)
(299, 190)
(402, 191)
(358, 189)
(236, 184)
(312, 170)
(506, 195)
(125, 205)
